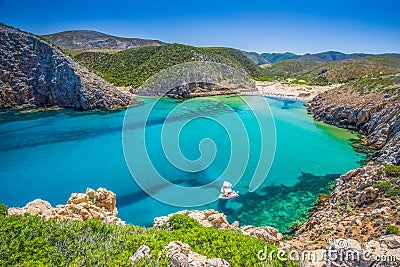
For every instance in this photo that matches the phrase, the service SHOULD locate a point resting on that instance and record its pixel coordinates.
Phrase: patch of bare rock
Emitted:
(98, 205)
(180, 256)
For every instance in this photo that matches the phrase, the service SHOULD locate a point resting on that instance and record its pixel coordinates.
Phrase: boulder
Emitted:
(367, 196)
(142, 252)
(36, 207)
(267, 233)
(181, 256)
(391, 241)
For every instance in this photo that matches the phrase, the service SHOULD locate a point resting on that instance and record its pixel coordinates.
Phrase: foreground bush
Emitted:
(31, 241)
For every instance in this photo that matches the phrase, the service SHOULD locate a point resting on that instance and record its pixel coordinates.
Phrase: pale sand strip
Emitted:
(293, 91)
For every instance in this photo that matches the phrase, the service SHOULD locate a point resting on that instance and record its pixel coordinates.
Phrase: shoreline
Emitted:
(301, 92)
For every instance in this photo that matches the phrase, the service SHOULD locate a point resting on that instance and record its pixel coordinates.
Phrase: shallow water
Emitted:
(51, 154)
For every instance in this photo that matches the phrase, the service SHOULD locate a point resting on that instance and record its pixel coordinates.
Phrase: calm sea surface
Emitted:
(51, 154)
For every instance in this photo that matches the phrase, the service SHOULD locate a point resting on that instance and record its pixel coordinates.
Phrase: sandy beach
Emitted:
(294, 91)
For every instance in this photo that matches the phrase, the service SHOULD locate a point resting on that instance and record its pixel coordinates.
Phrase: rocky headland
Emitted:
(363, 211)
(375, 115)
(35, 73)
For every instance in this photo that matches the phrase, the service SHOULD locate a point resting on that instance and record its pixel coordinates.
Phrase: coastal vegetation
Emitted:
(32, 241)
(132, 67)
(342, 71)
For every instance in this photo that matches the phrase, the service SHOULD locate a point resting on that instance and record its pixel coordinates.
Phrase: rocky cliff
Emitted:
(34, 73)
(85, 40)
(375, 115)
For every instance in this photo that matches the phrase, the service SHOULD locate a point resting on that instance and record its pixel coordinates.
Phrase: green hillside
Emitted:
(134, 66)
(342, 71)
(276, 57)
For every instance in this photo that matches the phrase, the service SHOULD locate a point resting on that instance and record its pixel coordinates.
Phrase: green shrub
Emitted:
(179, 221)
(3, 210)
(392, 230)
(393, 192)
(392, 170)
(384, 185)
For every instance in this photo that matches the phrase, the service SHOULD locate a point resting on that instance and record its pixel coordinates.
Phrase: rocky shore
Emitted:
(375, 115)
(34, 73)
(98, 205)
(363, 210)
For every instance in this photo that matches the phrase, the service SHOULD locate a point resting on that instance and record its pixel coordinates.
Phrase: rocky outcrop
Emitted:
(98, 205)
(180, 256)
(84, 40)
(375, 115)
(360, 207)
(34, 73)
(218, 220)
(267, 233)
(37, 207)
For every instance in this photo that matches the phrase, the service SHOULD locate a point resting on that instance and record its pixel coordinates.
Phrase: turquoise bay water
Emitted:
(49, 155)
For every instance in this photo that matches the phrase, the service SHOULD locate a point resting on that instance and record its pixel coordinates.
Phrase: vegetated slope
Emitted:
(330, 56)
(289, 69)
(256, 58)
(34, 73)
(366, 70)
(32, 241)
(84, 40)
(134, 66)
(276, 57)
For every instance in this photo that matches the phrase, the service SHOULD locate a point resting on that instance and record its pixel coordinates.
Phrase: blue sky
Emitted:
(252, 25)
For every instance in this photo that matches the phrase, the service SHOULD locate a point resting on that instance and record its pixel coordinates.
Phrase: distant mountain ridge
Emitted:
(87, 40)
(331, 56)
(328, 56)
(276, 57)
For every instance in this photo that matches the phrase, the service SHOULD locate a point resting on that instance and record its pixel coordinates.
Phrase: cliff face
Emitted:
(375, 115)
(33, 73)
